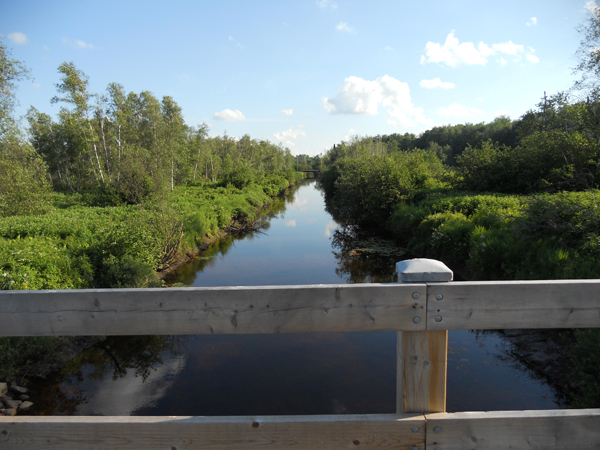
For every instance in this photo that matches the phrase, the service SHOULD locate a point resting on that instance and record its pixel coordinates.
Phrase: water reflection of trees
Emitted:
(186, 274)
(115, 357)
(363, 258)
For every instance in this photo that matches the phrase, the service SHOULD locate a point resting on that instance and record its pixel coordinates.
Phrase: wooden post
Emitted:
(421, 355)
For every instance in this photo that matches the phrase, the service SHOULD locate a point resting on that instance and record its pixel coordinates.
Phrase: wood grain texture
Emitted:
(515, 430)
(387, 431)
(424, 361)
(514, 304)
(222, 310)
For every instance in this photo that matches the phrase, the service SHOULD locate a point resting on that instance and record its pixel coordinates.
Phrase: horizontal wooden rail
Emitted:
(516, 430)
(487, 305)
(232, 433)
(302, 309)
(222, 310)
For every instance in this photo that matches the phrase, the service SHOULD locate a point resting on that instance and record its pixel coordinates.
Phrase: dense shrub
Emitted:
(368, 187)
(544, 161)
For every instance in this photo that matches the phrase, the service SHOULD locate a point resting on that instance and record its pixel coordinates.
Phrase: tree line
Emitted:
(123, 145)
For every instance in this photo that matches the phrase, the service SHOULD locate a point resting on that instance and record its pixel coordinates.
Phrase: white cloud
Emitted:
(287, 112)
(436, 83)
(532, 58)
(230, 116)
(358, 96)
(323, 4)
(232, 39)
(37, 85)
(532, 22)
(509, 48)
(77, 43)
(455, 54)
(343, 26)
(452, 53)
(501, 112)
(288, 136)
(459, 111)
(485, 49)
(480, 99)
(18, 38)
(503, 61)
(388, 48)
(46, 48)
(290, 223)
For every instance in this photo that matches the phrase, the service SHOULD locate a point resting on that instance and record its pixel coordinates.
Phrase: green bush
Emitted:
(584, 368)
(27, 355)
(125, 272)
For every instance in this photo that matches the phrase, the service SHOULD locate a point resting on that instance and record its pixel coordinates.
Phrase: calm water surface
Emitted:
(283, 374)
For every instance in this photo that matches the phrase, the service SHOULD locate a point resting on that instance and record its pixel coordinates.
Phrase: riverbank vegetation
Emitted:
(114, 190)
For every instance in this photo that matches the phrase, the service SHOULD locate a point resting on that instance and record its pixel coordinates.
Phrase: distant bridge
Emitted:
(315, 173)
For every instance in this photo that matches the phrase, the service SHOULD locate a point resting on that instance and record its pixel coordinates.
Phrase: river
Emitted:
(283, 374)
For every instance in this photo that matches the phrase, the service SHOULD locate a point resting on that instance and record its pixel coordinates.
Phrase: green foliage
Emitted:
(27, 355)
(124, 272)
(24, 187)
(445, 236)
(547, 161)
(584, 368)
(365, 188)
(449, 141)
(11, 72)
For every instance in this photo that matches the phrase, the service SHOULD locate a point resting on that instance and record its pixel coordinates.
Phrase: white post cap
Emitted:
(423, 269)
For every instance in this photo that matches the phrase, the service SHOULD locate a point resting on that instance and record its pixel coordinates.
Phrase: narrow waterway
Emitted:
(283, 374)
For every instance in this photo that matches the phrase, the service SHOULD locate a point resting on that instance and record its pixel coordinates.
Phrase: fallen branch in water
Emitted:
(245, 227)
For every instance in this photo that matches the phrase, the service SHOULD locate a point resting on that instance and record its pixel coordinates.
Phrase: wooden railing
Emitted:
(421, 313)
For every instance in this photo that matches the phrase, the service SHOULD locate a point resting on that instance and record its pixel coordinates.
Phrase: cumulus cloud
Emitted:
(323, 4)
(18, 38)
(343, 26)
(290, 223)
(358, 96)
(230, 116)
(454, 54)
(532, 22)
(290, 135)
(287, 112)
(459, 111)
(509, 48)
(77, 43)
(436, 83)
(532, 58)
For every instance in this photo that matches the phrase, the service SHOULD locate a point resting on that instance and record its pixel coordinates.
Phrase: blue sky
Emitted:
(305, 73)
